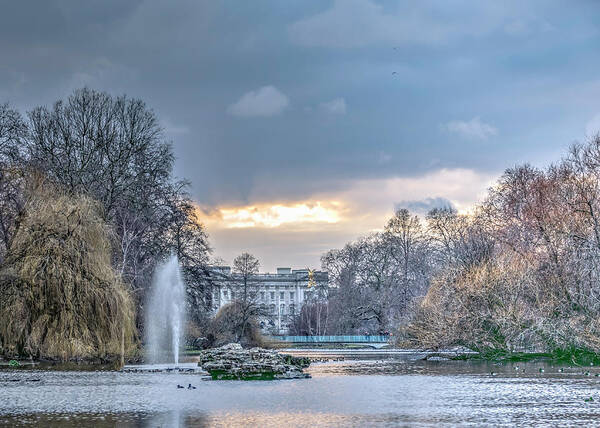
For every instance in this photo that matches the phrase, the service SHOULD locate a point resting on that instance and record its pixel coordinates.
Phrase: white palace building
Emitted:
(281, 294)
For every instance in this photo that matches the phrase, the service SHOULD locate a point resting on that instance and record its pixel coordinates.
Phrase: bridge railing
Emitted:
(334, 339)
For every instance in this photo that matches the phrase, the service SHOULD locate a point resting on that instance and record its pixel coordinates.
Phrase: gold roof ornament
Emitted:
(311, 278)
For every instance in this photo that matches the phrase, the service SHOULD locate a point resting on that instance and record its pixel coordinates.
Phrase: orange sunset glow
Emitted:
(275, 215)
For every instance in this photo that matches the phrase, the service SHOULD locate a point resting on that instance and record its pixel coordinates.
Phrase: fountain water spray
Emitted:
(165, 313)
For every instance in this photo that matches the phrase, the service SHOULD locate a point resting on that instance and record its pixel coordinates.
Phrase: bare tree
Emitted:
(458, 239)
(410, 247)
(245, 287)
(187, 239)
(13, 134)
(377, 278)
(313, 318)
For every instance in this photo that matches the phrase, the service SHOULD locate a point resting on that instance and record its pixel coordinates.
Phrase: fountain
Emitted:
(165, 321)
(165, 314)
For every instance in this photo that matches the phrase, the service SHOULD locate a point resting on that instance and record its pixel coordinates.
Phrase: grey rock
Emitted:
(233, 362)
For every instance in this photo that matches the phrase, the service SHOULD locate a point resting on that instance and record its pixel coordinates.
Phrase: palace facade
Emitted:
(281, 295)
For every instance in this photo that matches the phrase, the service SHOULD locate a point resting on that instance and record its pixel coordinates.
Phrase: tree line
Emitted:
(531, 282)
(520, 272)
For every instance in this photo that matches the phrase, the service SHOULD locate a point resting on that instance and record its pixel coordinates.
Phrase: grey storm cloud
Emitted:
(423, 206)
(293, 95)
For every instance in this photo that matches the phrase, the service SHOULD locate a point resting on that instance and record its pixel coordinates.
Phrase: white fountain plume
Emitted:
(165, 314)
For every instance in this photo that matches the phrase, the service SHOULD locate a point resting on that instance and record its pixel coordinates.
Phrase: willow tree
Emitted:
(59, 295)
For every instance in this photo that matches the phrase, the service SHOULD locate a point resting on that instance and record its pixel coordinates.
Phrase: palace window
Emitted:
(262, 295)
(282, 309)
(281, 295)
(272, 295)
(225, 294)
(291, 295)
(292, 309)
(272, 309)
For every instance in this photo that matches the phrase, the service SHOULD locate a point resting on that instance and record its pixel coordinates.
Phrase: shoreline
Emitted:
(321, 354)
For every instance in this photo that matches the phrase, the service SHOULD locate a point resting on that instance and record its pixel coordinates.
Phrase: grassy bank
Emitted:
(576, 357)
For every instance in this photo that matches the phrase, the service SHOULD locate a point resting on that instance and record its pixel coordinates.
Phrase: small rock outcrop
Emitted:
(232, 362)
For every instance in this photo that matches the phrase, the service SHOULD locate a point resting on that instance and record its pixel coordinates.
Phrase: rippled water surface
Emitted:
(392, 392)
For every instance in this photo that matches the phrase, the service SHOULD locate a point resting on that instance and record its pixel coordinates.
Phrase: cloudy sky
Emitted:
(303, 124)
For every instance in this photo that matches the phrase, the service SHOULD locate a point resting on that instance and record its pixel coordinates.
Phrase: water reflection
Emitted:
(172, 419)
(401, 392)
(232, 419)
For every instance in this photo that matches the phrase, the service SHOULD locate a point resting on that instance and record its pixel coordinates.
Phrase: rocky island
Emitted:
(232, 362)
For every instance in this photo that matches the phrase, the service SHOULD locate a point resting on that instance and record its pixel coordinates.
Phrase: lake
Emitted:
(397, 391)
